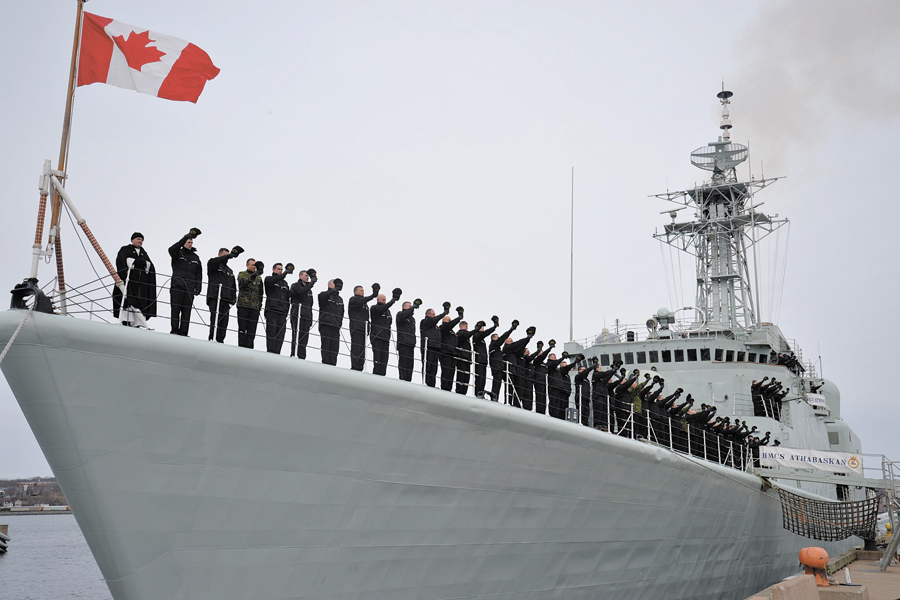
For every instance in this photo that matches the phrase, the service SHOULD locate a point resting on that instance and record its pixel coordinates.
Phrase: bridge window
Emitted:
(604, 360)
(641, 357)
(719, 354)
(692, 354)
(667, 355)
(704, 353)
(617, 357)
(654, 356)
(741, 356)
(729, 356)
(629, 358)
(679, 356)
(752, 357)
(762, 358)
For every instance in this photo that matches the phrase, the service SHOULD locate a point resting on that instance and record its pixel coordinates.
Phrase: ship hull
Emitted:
(197, 470)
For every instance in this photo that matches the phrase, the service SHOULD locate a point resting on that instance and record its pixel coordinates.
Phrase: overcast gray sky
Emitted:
(429, 146)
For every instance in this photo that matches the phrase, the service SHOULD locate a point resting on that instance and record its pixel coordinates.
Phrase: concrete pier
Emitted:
(881, 585)
(867, 581)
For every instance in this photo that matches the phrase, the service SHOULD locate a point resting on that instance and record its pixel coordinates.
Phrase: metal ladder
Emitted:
(890, 471)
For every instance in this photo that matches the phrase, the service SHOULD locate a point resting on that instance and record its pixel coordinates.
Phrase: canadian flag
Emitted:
(138, 59)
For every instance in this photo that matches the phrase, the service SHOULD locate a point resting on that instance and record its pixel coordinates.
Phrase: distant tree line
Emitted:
(32, 491)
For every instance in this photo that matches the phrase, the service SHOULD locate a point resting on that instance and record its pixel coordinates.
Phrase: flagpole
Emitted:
(572, 263)
(56, 207)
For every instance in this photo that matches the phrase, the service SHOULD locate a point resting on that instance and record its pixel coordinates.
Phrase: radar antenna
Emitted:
(725, 227)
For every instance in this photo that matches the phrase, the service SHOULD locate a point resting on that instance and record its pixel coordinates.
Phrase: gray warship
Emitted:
(201, 470)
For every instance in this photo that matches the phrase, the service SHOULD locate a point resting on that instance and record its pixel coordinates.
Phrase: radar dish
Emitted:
(719, 156)
(724, 94)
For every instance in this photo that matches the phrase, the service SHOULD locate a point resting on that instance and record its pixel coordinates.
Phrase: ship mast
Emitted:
(726, 226)
(54, 242)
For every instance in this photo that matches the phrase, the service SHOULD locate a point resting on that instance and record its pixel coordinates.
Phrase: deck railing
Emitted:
(93, 300)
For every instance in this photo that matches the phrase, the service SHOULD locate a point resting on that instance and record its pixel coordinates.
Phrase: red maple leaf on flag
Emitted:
(136, 49)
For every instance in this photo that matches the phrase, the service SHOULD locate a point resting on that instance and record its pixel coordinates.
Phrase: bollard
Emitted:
(814, 560)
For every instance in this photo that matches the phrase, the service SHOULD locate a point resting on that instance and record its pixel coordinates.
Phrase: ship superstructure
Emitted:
(717, 348)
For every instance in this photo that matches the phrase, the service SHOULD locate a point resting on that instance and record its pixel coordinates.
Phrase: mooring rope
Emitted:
(16, 332)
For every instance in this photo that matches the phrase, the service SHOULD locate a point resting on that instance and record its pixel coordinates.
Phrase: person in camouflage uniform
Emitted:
(249, 302)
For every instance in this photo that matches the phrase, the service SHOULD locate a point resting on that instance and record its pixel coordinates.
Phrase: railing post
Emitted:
(578, 404)
(546, 393)
(533, 394)
(216, 314)
(631, 422)
(608, 411)
(704, 445)
(506, 383)
(688, 438)
(671, 443)
(124, 295)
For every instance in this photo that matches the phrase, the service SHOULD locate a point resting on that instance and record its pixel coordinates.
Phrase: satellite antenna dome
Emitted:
(663, 312)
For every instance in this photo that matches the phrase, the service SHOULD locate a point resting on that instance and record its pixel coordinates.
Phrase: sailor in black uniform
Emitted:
(406, 339)
(448, 349)
(622, 402)
(759, 409)
(137, 272)
(650, 397)
(278, 303)
(381, 331)
(558, 385)
(539, 377)
(331, 317)
(481, 356)
(430, 339)
(583, 395)
(358, 311)
(187, 278)
(301, 312)
(512, 356)
(498, 365)
(600, 395)
(464, 356)
(526, 379)
(221, 292)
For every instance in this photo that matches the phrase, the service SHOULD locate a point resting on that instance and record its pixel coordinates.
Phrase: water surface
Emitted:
(48, 559)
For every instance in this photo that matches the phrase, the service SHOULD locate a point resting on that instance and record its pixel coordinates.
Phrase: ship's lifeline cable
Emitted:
(787, 242)
(12, 338)
(86, 253)
(662, 254)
